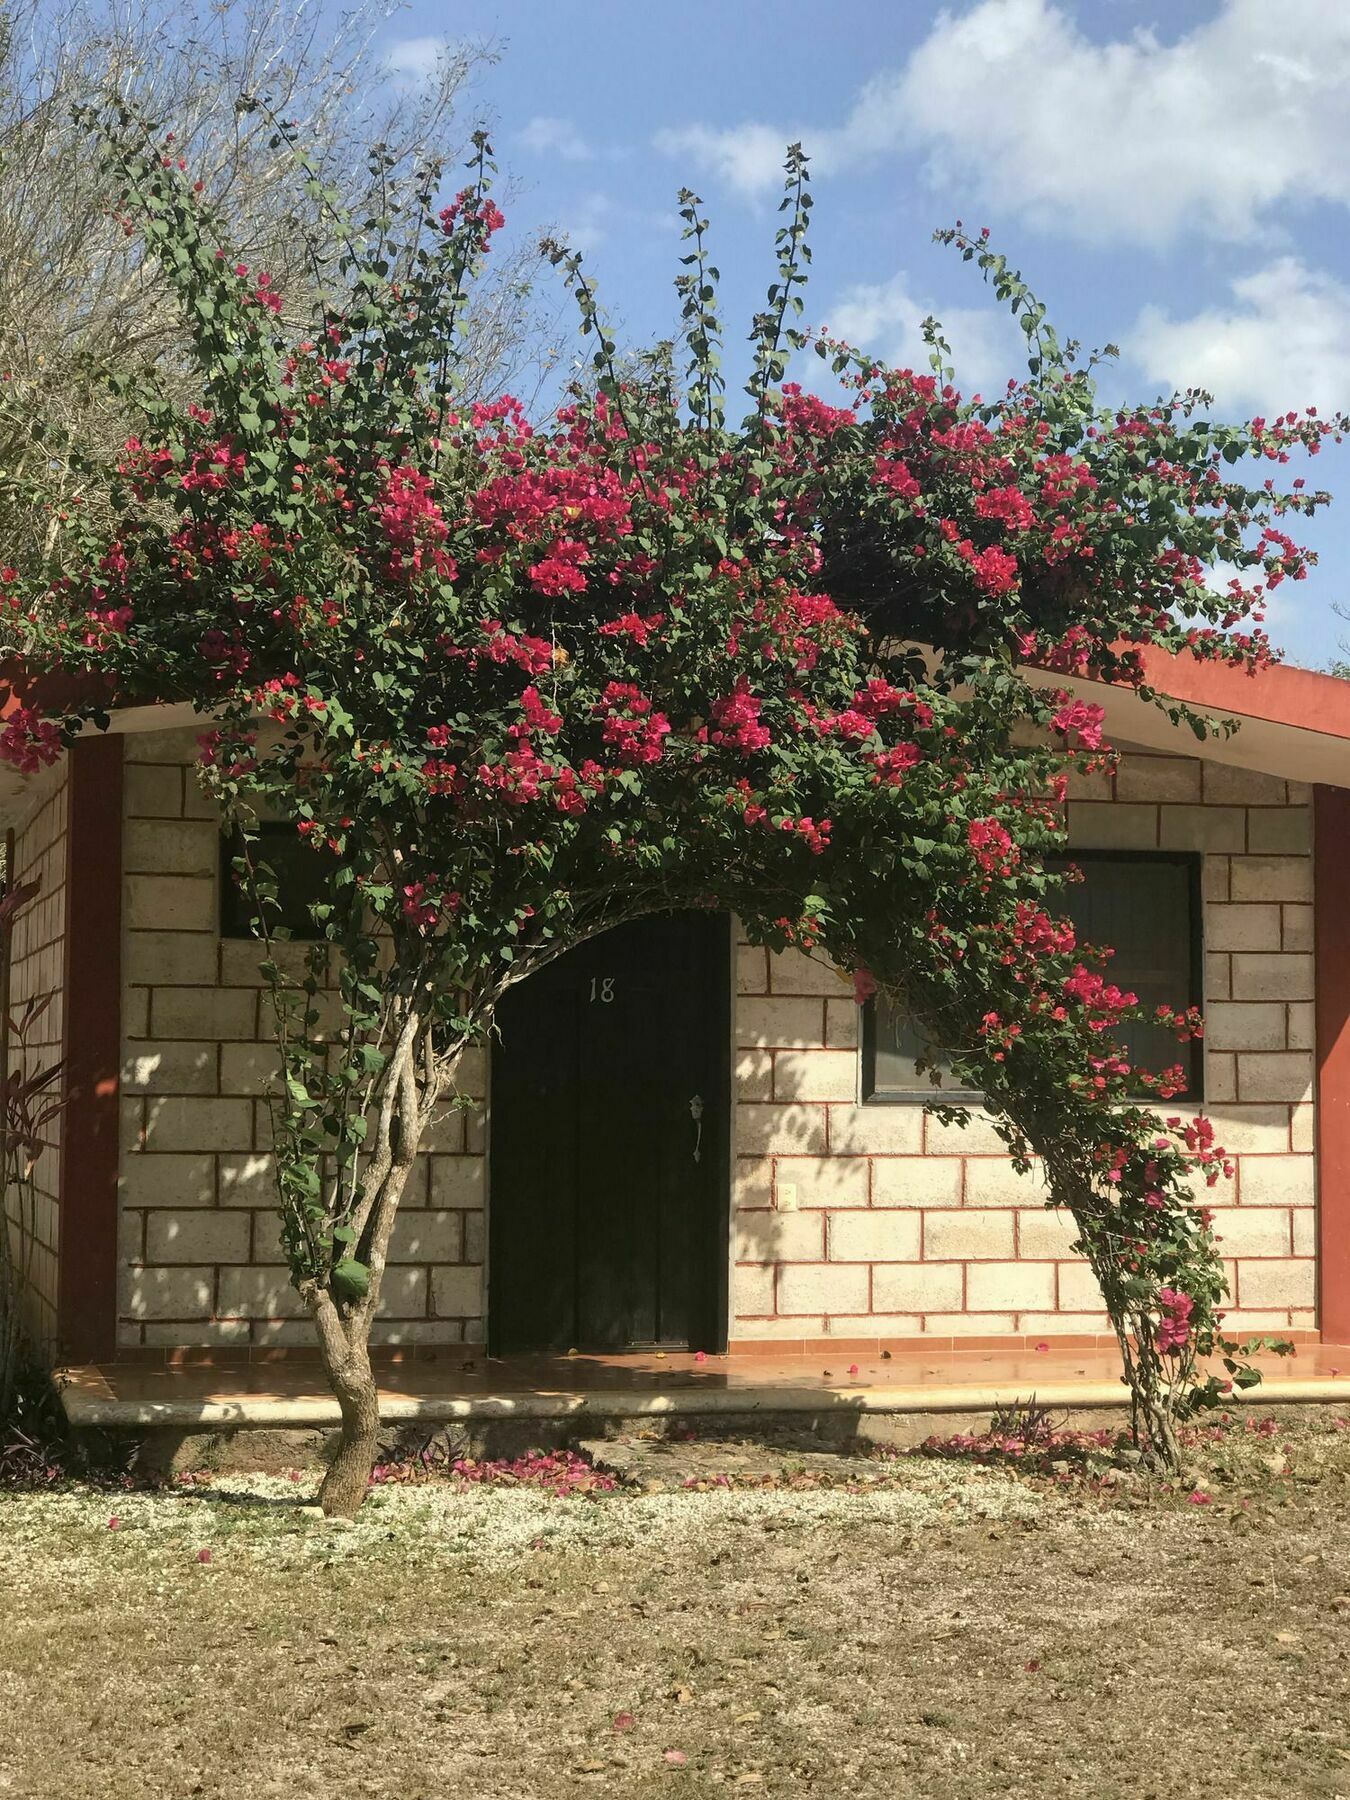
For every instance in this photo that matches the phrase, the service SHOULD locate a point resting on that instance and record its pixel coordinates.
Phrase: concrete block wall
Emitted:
(848, 1220)
(37, 970)
(870, 1221)
(200, 1260)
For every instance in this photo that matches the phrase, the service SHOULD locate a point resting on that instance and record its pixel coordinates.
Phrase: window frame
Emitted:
(1192, 1056)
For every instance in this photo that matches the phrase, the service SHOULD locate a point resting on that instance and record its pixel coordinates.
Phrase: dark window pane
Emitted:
(893, 1044)
(300, 874)
(1146, 908)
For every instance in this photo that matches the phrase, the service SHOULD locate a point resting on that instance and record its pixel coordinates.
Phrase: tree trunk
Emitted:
(344, 1330)
(344, 1484)
(1152, 1391)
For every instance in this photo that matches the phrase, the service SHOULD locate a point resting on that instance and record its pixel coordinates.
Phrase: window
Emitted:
(300, 876)
(1146, 906)
(890, 1045)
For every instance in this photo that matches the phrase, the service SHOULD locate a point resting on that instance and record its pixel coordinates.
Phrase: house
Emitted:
(692, 1143)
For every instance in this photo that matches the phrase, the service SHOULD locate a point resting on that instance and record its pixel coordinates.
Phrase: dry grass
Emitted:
(948, 1632)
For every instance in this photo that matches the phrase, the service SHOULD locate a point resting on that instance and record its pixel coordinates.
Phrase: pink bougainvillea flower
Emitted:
(1198, 1497)
(864, 985)
(203, 1556)
(624, 1721)
(1174, 1328)
(676, 1758)
(114, 1524)
(1042, 1346)
(28, 742)
(853, 1368)
(1083, 719)
(700, 1356)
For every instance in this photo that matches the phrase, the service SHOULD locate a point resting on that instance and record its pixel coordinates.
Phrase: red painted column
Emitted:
(1331, 873)
(92, 1034)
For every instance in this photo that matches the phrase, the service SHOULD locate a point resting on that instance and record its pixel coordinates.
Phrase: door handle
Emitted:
(696, 1114)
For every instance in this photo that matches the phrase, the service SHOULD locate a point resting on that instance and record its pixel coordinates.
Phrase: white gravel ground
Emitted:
(265, 1516)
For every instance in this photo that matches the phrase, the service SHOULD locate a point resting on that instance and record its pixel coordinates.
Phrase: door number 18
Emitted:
(602, 989)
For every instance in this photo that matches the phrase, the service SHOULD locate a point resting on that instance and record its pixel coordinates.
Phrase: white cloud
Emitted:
(1282, 342)
(1135, 137)
(415, 59)
(555, 137)
(747, 157)
(588, 225)
(887, 319)
(1132, 138)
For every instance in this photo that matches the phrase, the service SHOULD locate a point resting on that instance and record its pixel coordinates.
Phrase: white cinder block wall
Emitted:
(200, 1259)
(902, 1227)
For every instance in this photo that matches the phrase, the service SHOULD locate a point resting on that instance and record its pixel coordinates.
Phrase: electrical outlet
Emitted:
(787, 1196)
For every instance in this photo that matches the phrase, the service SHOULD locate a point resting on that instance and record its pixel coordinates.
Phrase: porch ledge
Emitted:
(686, 1403)
(137, 1397)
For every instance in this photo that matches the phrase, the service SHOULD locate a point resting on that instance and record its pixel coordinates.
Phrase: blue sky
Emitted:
(1173, 176)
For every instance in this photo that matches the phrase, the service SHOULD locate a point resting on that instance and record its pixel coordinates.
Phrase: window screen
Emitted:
(1147, 908)
(300, 874)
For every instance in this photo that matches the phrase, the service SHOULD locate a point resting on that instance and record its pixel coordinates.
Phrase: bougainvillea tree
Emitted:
(516, 681)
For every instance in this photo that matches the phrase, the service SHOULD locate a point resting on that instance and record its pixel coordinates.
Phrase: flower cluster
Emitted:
(632, 728)
(28, 742)
(736, 722)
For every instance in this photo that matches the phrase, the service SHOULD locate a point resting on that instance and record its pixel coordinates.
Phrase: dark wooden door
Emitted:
(607, 1156)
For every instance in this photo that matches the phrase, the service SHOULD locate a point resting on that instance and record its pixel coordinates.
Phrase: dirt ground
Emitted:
(818, 1626)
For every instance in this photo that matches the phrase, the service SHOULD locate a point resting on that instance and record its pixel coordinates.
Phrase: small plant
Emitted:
(1025, 1434)
(1027, 1420)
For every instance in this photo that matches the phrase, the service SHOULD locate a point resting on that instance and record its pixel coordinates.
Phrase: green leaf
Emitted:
(350, 1279)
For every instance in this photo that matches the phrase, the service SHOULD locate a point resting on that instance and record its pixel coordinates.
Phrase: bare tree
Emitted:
(1340, 663)
(79, 298)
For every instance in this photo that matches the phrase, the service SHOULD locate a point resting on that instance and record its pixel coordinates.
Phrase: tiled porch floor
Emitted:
(462, 1384)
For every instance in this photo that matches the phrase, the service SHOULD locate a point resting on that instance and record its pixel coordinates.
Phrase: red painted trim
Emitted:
(1281, 694)
(1331, 874)
(87, 1226)
(52, 695)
